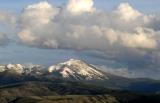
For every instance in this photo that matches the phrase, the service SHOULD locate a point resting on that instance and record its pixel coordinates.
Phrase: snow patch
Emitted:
(77, 69)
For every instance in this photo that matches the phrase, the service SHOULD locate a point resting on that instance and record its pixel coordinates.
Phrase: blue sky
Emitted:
(145, 6)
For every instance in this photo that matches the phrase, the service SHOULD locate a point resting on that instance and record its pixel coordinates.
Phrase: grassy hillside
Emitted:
(67, 99)
(69, 92)
(89, 99)
(25, 89)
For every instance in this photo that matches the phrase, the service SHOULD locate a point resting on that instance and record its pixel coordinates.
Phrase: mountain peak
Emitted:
(77, 70)
(73, 62)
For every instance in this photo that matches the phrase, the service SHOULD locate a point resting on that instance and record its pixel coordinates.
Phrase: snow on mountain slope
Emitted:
(18, 68)
(77, 70)
(21, 69)
(2, 68)
(72, 69)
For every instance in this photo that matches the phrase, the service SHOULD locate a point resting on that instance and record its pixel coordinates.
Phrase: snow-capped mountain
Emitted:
(22, 69)
(71, 69)
(77, 70)
(74, 70)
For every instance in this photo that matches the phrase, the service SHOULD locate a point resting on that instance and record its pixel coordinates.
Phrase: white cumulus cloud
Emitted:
(126, 12)
(47, 26)
(77, 7)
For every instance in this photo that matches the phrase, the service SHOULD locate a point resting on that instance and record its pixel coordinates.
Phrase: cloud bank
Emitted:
(7, 18)
(79, 25)
(7, 21)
